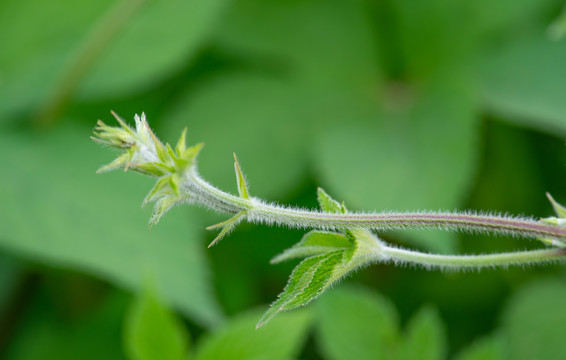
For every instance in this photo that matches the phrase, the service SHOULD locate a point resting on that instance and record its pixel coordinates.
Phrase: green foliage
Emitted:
(425, 336)
(356, 324)
(239, 339)
(53, 219)
(534, 323)
(390, 105)
(153, 332)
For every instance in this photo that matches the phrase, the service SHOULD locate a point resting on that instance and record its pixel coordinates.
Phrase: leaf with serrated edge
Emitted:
(309, 279)
(314, 243)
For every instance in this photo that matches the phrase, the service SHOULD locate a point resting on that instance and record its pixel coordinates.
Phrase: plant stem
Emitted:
(472, 261)
(260, 212)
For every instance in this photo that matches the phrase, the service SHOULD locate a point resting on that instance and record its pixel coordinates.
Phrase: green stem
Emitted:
(472, 261)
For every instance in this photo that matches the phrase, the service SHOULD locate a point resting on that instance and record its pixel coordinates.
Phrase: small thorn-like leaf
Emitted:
(122, 122)
(314, 243)
(558, 208)
(226, 226)
(174, 183)
(241, 181)
(327, 203)
(162, 205)
(181, 144)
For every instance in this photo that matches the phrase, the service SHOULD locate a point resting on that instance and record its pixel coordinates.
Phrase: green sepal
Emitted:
(188, 156)
(157, 190)
(152, 168)
(226, 226)
(118, 163)
(308, 280)
(315, 243)
(174, 181)
(159, 147)
(558, 208)
(122, 123)
(327, 203)
(241, 181)
(162, 205)
(181, 144)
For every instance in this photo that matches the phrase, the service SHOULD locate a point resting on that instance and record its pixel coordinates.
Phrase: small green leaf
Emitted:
(242, 186)
(425, 337)
(356, 323)
(153, 332)
(558, 208)
(309, 279)
(314, 243)
(490, 348)
(239, 340)
(328, 204)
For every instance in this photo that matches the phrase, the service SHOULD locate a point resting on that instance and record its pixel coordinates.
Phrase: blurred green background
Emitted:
(387, 104)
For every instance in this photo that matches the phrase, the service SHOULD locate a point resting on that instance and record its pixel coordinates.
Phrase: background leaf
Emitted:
(425, 336)
(534, 323)
(153, 332)
(354, 323)
(59, 211)
(281, 339)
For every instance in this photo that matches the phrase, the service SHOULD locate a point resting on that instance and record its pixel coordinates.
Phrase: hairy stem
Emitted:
(261, 212)
(473, 261)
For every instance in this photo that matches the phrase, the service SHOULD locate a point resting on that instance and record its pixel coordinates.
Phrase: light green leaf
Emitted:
(126, 45)
(420, 156)
(153, 332)
(307, 281)
(534, 322)
(317, 41)
(355, 323)
(490, 348)
(525, 82)
(263, 119)
(314, 243)
(282, 339)
(425, 337)
(56, 210)
(328, 204)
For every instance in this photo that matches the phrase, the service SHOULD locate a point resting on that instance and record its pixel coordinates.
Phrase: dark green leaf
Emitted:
(282, 339)
(354, 323)
(153, 332)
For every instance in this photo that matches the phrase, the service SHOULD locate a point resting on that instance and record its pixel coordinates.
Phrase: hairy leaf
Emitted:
(314, 243)
(328, 204)
(309, 279)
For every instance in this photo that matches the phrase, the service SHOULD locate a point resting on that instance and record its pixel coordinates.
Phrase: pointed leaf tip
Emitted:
(181, 144)
(327, 203)
(240, 179)
(558, 208)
